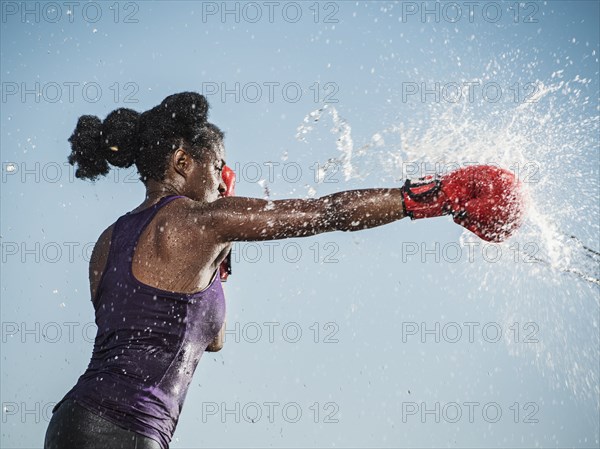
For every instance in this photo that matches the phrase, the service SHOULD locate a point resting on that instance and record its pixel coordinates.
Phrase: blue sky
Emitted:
(386, 337)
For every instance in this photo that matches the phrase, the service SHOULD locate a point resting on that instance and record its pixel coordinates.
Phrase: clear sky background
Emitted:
(413, 334)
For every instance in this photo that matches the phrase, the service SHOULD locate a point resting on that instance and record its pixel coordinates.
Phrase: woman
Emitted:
(154, 273)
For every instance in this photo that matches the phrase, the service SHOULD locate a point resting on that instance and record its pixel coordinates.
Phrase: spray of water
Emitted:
(550, 142)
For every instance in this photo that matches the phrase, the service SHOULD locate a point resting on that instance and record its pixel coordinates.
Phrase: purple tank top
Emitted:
(149, 340)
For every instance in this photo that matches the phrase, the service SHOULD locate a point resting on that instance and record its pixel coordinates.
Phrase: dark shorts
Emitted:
(74, 426)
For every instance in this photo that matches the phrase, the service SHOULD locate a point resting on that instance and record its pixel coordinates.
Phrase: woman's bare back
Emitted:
(170, 254)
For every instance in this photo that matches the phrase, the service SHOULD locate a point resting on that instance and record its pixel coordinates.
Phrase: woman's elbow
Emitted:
(214, 347)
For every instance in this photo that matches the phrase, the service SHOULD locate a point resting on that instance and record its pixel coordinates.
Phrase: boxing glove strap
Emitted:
(424, 198)
(422, 190)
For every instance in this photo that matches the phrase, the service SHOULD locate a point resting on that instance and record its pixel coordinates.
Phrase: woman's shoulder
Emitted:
(106, 235)
(189, 213)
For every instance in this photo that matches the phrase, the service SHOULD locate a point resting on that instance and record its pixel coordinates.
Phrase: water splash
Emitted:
(341, 128)
(550, 273)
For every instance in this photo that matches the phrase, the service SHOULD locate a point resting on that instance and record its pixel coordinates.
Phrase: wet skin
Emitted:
(184, 244)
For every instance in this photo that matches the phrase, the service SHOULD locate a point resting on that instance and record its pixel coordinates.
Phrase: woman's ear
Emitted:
(182, 162)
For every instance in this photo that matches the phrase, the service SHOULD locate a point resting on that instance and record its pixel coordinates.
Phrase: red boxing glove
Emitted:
(229, 179)
(484, 199)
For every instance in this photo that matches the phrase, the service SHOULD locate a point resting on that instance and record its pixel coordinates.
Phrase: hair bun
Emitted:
(94, 144)
(85, 148)
(120, 139)
(187, 108)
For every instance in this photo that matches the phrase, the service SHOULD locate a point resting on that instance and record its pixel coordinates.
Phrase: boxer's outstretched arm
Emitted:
(251, 219)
